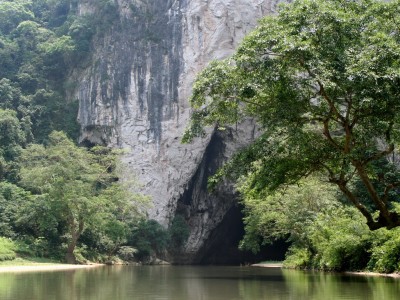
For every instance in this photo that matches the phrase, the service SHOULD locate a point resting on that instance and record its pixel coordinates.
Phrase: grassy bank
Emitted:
(14, 254)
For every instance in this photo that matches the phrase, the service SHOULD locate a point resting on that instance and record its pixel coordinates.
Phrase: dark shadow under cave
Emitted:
(222, 246)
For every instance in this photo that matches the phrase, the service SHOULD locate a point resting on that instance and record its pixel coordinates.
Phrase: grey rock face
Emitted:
(134, 95)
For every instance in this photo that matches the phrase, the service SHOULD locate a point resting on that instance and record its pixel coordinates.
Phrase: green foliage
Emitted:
(112, 233)
(298, 258)
(178, 232)
(28, 247)
(12, 12)
(12, 137)
(385, 252)
(75, 190)
(37, 52)
(336, 241)
(12, 201)
(321, 78)
(287, 213)
(324, 233)
(39, 247)
(81, 31)
(127, 253)
(149, 238)
(340, 240)
(58, 54)
(7, 248)
(11, 134)
(75, 198)
(8, 48)
(41, 41)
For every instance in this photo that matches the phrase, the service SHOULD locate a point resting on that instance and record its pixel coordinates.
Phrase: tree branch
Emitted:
(327, 133)
(379, 155)
(383, 209)
(330, 102)
(387, 190)
(349, 195)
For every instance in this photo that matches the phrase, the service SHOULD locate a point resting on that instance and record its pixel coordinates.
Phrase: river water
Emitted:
(193, 283)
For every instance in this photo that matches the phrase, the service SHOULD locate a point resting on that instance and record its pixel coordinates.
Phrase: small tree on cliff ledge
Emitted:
(323, 80)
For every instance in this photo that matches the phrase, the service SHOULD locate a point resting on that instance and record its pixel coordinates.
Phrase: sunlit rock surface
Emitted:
(134, 95)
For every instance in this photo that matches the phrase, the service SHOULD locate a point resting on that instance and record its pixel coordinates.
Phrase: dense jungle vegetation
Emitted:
(322, 79)
(58, 200)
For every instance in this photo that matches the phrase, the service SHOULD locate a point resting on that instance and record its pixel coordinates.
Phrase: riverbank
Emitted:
(392, 275)
(280, 265)
(268, 265)
(37, 264)
(44, 267)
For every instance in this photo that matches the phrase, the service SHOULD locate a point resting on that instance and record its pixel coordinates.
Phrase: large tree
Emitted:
(76, 189)
(322, 78)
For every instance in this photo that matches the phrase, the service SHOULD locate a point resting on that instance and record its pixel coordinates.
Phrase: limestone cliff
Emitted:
(134, 95)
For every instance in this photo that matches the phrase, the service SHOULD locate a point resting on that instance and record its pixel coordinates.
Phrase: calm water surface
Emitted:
(193, 283)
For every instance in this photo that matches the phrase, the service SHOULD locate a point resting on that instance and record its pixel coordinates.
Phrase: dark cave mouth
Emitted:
(222, 246)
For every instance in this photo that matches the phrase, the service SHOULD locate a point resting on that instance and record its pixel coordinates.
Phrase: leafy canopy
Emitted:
(322, 79)
(76, 189)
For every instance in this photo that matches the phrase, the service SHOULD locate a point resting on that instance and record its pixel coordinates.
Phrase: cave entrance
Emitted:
(222, 246)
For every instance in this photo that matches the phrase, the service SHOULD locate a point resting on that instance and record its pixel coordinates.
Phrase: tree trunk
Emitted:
(70, 258)
(75, 234)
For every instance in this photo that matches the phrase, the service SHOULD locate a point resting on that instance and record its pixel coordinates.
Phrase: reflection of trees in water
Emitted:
(36, 286)
(319, 285)
(193, 283)
(7, 284)
(263, 283)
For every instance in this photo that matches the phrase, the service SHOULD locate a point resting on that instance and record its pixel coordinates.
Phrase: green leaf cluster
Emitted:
(324, 233)
(149, 238)
(75, 189)
(41, 42)
(67, 198)
(35, 57)
(7, 248)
